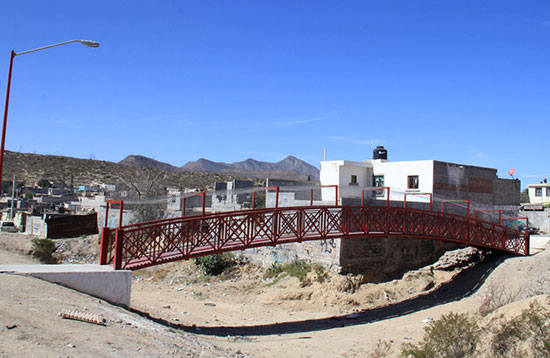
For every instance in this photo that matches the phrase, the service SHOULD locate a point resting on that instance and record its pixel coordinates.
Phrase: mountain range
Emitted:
(288, 168)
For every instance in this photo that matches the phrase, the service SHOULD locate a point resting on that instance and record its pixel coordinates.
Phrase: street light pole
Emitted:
(4, 124)
(87, 43)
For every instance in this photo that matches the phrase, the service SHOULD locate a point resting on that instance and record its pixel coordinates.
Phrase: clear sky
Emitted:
(464, 81)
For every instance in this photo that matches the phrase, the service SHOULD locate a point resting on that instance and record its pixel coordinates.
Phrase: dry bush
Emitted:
(496, 296)
(527, 335)
(452, 336)
(381, 350)
(43, 250)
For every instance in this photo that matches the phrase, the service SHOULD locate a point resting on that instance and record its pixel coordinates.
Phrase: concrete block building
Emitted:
(445, 181)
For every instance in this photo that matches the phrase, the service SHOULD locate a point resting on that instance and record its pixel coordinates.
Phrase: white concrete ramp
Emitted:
(100, 281)
(537, 243)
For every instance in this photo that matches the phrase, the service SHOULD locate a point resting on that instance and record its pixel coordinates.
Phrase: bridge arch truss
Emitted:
(152, 243)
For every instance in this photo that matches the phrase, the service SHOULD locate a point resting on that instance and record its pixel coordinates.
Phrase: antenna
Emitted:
(325, 158)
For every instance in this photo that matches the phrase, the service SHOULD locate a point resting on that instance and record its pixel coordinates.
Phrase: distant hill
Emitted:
(289, 168)
(141, 161)
(285, 169)
(30, 168)
(205, 165)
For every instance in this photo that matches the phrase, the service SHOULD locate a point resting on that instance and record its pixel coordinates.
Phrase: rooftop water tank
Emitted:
(380, 153)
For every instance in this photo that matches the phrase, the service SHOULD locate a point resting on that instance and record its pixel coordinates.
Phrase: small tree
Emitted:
(29, 195)
(43, 183)
(213, 265)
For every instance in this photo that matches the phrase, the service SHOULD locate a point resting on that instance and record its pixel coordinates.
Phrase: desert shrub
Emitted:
(213, 265)
(273, 271)
(321, 275)
(497, 296)
(530, 330)
(452, 336)
(381, 350)
(298, 269)
(43, 250)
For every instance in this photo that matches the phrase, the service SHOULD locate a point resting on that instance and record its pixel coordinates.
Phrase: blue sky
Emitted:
(460, 81)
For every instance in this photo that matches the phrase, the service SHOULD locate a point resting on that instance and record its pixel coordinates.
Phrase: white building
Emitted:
(539, 193)
(445, 181)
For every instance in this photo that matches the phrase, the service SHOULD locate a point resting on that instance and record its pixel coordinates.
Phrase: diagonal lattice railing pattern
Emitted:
(156, 242)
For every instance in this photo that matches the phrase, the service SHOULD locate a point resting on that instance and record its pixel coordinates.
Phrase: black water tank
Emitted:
(380, 153)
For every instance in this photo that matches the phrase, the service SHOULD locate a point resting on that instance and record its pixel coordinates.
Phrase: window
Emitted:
(353, 180)
(538, 191)
(378, 181)
(412, 182)
(548, 191)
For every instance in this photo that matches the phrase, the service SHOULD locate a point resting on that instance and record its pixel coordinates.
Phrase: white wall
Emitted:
(396, 176)
(339, 172)
(538, 199)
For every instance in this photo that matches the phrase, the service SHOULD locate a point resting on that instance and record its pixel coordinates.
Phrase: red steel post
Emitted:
(429, 194)
(121, 213)
(104, 245)
(106, 215)
(253, 200)
(119, 234)
(311, 197)
(491, 210)
(456, 201)
(203, 194)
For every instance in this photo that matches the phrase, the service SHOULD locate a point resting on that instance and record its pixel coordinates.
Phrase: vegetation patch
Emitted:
(213, 265)
(298, 269)
(43, 250)
(453, 335)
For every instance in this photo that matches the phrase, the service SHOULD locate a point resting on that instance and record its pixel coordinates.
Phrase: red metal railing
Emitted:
(324, 186)
(202, 193)
(490, 210)
(107, 240)
(430, 195)
(161, 241)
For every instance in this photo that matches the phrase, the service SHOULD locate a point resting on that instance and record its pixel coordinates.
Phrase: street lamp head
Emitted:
(89, 43)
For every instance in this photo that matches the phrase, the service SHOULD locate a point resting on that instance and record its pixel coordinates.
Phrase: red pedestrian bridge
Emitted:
(152, 243)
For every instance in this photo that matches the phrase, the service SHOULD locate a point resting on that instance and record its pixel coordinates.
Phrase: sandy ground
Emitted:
(176, 311)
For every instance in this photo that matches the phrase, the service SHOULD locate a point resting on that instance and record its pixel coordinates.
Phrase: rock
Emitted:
(428, 320)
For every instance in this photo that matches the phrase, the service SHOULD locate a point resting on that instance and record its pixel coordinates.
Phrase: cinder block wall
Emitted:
(383, 259)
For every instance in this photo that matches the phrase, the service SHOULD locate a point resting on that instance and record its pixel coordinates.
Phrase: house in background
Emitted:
(538, 208)
(445, 181)
(539, 193)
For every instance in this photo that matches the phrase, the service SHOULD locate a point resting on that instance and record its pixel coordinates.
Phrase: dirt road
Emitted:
(178, 312)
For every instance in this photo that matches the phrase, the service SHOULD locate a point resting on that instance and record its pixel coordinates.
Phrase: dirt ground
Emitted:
(178, 311)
